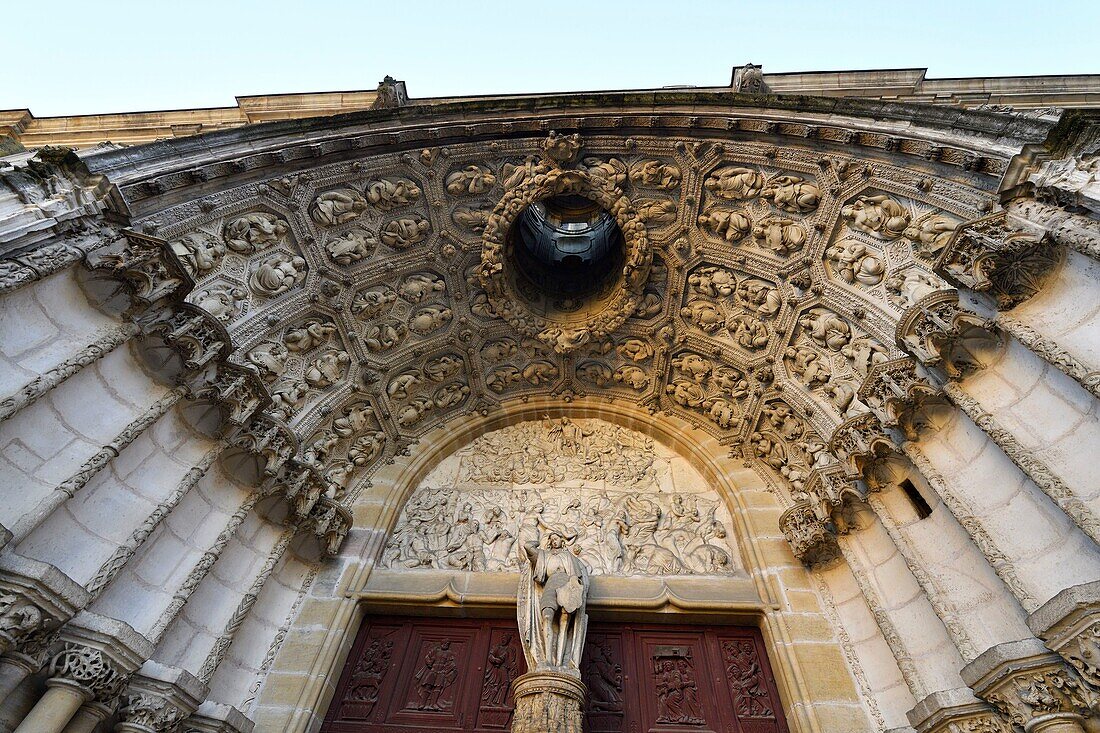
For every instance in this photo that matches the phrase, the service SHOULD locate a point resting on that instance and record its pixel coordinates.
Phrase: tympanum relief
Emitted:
(619, 502)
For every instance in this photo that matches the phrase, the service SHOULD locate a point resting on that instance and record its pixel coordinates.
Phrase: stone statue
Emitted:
(553, 590)
(550, 608)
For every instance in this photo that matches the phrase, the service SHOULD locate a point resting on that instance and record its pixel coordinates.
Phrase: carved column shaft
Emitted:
(126, 550)
(941, 604)
(898, 648)
(1052, 353)
(67, 489)
(107, 342)
(202, 567)
(1039, 473)
(221, 646)
(1000, 563)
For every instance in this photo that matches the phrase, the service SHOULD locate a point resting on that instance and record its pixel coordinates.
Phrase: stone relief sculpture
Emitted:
(405, 232)
(351, 247)
(253, 232)
(333, 208)
(277, 274)
(879, 216)
(387, 194)
(593, 484)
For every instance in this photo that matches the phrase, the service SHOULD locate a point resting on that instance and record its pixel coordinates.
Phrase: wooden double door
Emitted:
(416, 674)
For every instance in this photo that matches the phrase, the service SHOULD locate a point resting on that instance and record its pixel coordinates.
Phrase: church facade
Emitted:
(771, 407)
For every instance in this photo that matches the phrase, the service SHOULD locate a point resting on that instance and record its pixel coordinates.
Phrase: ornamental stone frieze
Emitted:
(1034, 687)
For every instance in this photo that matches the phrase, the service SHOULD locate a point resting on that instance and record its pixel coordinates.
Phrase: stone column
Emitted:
(88, 718)
(56, 708)
(67, 489)
(107, 342)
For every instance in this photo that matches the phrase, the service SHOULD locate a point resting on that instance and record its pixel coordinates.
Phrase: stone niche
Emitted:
(627, 506)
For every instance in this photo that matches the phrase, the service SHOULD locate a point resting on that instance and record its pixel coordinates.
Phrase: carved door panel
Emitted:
(432, 687)
(747, 679)
(415, 674)
(408, 675)
(677, 691)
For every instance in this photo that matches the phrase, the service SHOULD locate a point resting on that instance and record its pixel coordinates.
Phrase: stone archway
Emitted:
(758, 593)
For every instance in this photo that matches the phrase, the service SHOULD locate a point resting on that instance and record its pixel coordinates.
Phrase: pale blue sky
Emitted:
(88, 56)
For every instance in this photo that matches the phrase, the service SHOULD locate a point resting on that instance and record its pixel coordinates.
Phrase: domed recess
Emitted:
(567, 247)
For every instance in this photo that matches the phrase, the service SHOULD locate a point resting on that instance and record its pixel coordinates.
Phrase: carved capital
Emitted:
(1069, 623)
(35, 598)
(812, 538)
(956, 711)
(999, 255)
(158, 698)
(937, 332)
(1030, 685)
(87, 668)
(97, 655)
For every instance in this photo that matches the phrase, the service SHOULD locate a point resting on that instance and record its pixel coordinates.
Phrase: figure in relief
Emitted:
(337, 207)
(439, 672)
(553, 593)
(677, 692)
(499, 672)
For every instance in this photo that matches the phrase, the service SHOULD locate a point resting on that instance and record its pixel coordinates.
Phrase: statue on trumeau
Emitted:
(550, 608)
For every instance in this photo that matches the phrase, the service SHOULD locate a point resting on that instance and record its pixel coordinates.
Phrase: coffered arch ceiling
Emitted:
(351, 262)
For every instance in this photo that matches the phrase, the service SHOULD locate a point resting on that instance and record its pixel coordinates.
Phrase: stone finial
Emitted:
(749, 79)
(391, 94)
